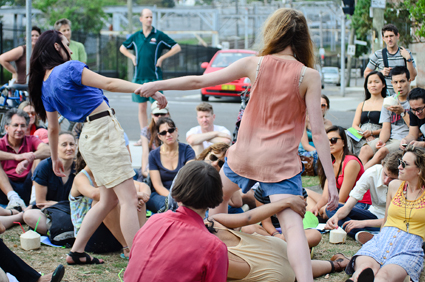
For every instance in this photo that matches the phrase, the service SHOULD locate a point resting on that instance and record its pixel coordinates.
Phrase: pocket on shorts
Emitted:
(116, 135)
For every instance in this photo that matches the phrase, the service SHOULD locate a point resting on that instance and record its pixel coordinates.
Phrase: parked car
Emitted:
(319, 69)
(331, 75)
(222, 59)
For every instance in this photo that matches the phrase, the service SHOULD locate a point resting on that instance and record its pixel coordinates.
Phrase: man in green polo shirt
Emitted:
(77, 48)
(148, 45)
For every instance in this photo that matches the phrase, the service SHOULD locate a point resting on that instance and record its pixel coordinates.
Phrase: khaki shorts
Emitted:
(102, 146)
(392, 145)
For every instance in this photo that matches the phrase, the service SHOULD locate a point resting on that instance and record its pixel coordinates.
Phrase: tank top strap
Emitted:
(88, 176)
(302, 75)
(363, 105)
(258, 67)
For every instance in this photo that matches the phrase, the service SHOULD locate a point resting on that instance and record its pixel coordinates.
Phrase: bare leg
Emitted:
(228, 189)
(312, 199)
(377, 158)
(313, 237)
(390, 273)
(126, 193)
(31, 217)
(363, 262)
(7, 221)
(112, 222)
(298, 252)
(321, 267)
(249, 199)
(143, 117)
(365, 154)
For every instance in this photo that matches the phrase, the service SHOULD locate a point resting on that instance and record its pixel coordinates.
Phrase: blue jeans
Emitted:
(359, 212)
(156, 202)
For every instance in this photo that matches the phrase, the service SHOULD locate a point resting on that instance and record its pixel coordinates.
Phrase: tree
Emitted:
(417, 11)
(85, 15)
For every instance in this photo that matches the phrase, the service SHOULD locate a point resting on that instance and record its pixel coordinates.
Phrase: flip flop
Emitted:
(89, 260)
(58, 273)
(138, 143)
(124, 257)
(366, 275)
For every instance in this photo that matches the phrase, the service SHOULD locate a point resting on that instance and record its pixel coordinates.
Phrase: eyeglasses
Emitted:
(160, 115)
(31, 113)
(333, 140)
(417, 110)
(324, 106)
(402, 163)
(170, 130)
(214, 158)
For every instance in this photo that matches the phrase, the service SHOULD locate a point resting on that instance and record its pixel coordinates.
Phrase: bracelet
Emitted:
(275, 233)
(11, 212)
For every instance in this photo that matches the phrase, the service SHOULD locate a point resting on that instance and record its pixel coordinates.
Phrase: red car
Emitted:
(222, 59)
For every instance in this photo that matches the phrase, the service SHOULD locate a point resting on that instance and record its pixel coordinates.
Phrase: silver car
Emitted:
(331, 75)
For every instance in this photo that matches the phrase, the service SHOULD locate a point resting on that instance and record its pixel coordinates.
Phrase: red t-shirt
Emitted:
(176, 246)
(29, 144)
(366, 197)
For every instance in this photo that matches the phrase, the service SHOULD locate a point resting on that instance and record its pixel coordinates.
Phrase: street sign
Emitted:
(351, 50)
(322, 51)
(359, 42)
(378, 4)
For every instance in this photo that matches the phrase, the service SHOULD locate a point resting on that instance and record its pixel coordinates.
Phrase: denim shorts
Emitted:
(291, 186)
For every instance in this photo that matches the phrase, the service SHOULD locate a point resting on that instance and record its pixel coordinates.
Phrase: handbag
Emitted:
(308, 163)
(60, 229)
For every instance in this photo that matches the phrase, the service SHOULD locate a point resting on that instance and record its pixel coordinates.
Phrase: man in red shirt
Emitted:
(17, 153)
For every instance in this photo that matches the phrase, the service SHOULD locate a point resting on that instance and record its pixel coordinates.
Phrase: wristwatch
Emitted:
(410, 60)
(403, 114)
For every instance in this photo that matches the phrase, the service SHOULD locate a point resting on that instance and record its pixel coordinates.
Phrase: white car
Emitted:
(331, 75)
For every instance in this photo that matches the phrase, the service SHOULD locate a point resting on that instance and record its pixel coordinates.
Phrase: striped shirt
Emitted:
(377, 63)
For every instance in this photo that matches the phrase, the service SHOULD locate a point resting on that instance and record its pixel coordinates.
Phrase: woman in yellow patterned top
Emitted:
(397, 250)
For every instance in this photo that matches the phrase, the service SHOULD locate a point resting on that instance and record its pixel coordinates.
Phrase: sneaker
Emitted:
(16, 202)
(362, 237)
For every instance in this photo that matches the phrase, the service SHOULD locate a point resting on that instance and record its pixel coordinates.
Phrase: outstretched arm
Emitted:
(297, 203)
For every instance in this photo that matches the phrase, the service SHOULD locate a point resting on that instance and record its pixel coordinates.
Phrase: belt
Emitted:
(106, 113)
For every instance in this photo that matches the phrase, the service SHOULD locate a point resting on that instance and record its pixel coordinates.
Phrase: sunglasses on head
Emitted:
(170, 130)
(160, 115)
(324, 106)
(333, 140)
(402, 163)
(214, 158)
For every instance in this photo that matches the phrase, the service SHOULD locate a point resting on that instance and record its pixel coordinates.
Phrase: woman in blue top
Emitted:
(58, 85)
(165, 161)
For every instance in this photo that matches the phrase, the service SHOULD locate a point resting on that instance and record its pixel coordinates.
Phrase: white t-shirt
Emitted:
(198, 130)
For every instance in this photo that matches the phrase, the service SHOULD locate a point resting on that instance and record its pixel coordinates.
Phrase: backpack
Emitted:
(59, 224)
(385, 58)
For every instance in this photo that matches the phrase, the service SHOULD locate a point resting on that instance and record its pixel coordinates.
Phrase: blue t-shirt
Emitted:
(63, 92)
(186, 154)
(56, 189)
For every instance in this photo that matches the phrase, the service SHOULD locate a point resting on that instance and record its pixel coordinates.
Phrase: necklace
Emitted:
(405, 207)
(170, 155)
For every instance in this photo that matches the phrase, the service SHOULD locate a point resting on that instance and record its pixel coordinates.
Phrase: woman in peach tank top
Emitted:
(285, 86)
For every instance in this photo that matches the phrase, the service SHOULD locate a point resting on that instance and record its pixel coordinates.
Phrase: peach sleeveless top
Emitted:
(272, 124)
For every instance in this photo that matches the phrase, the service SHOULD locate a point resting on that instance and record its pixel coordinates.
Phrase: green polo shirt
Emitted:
(78, 51)
(147, 51)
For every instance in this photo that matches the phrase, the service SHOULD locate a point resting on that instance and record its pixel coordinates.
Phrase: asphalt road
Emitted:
(182, 106)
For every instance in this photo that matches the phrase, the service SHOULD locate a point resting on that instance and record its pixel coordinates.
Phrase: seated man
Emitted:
(206, 133)
(17, 153)
(394, 119)
(416, 100)
(375, 179)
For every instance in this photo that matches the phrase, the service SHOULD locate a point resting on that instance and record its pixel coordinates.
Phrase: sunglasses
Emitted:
(170, 130)
(31, 113)
(417, 110)
(333, 140)
(214, 158)
(160, 115)
(402, 163)
(324, 106)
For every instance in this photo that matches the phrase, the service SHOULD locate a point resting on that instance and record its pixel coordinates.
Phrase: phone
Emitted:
(404, 145)
(360, 132)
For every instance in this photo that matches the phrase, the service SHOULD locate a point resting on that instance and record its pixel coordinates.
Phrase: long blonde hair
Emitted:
(288, 27)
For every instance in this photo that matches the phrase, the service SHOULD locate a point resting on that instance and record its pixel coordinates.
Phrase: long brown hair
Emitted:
(154, 136)
(288, 27)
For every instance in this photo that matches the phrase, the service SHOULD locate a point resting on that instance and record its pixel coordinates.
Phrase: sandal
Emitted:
(138, 143)
(76, 258)
(58, 273)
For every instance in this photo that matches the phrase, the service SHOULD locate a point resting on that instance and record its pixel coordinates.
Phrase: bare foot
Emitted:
(45, 278)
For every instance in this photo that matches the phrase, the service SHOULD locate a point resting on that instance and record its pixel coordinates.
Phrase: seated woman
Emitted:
(165, 161)
(49, 188)
(149, 136)
(34, 124)
(368, 112)
(85, 194)
(347, 169)
(270, 224)
(306, 147)
(397, 250)
(230, 255)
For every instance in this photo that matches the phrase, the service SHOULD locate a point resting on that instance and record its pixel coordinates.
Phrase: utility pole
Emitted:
(28, 33)
(377, 23)
(343, 55)
(130, 65)
(349, 59)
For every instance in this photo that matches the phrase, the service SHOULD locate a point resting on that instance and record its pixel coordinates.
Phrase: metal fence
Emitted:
(104, 57)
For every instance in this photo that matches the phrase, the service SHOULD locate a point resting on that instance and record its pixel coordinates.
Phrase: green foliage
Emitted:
(417, 11)
(395, 13)
(86, 16)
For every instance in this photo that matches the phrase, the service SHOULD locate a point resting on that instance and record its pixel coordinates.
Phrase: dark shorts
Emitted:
(291, 186)
(136, 98)
(23, 188)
